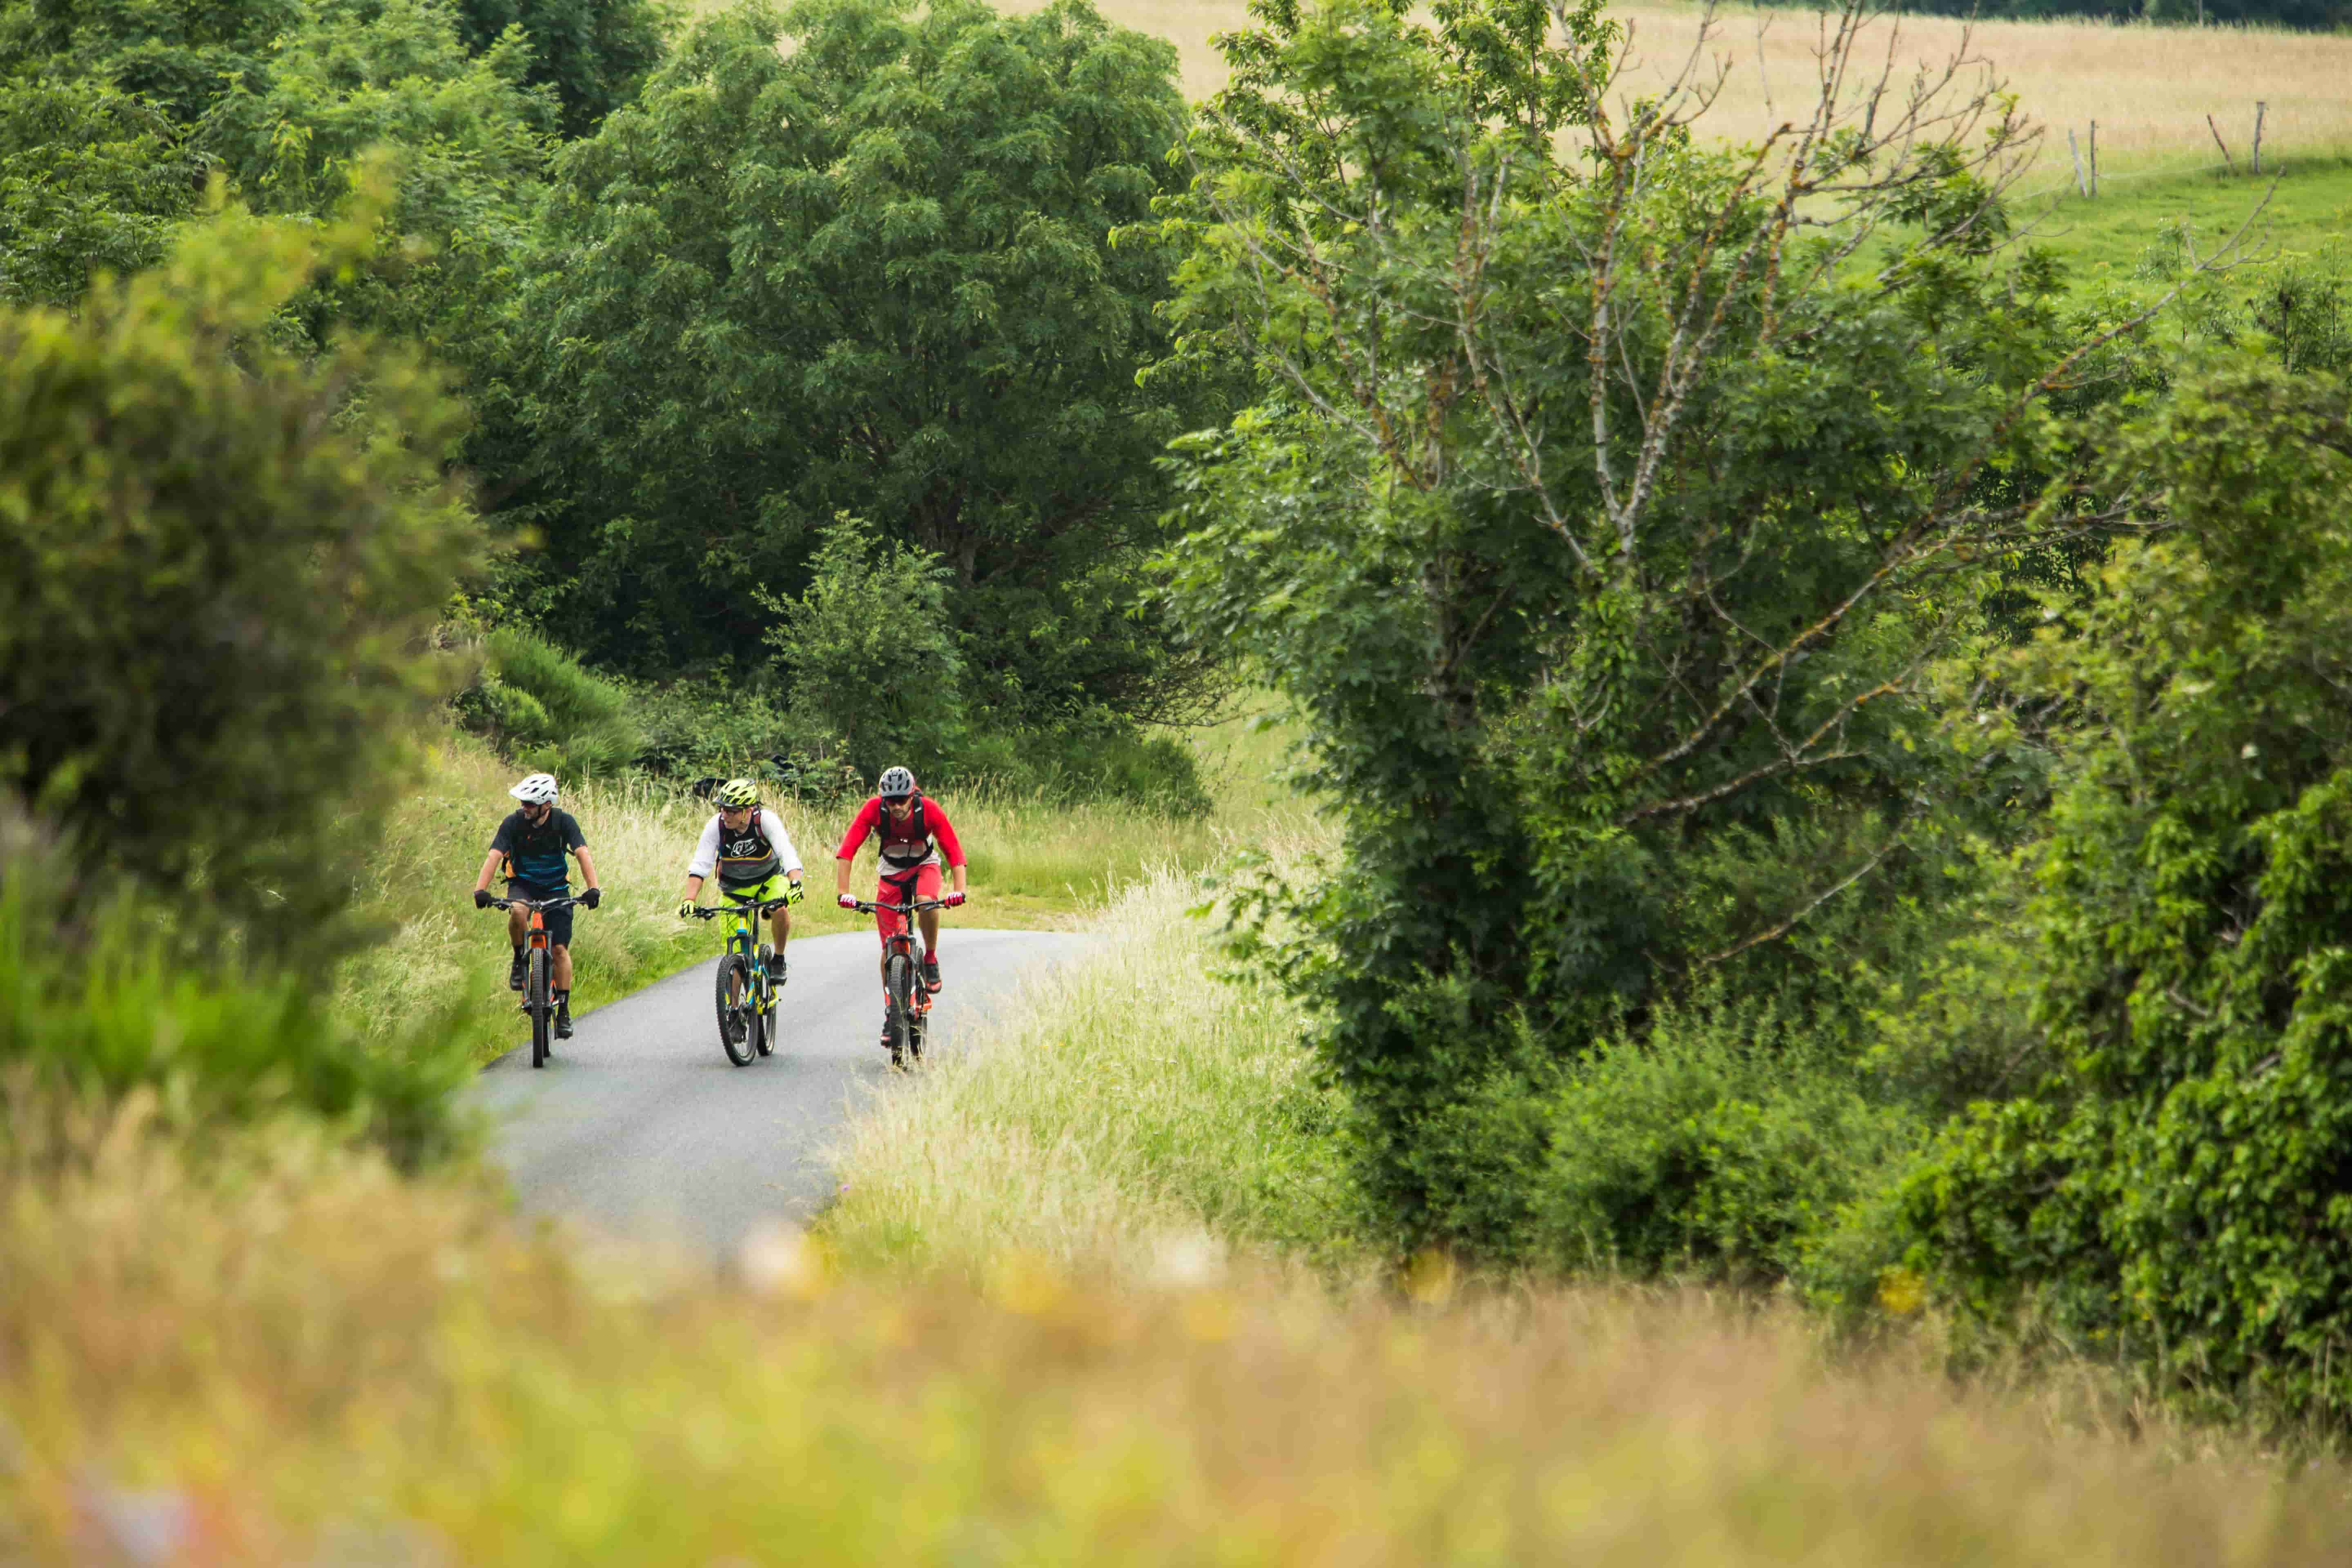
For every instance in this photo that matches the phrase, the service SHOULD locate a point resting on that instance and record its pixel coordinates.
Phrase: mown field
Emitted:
(2149, 89)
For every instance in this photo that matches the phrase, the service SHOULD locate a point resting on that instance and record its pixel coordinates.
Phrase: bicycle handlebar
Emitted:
(542, 905)
(918, 907)
(765, 906)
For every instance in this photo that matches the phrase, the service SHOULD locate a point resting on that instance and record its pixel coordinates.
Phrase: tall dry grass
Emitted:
(286, 1354)
(1129, 1113)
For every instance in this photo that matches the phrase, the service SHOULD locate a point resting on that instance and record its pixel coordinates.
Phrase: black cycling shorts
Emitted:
(559, 921)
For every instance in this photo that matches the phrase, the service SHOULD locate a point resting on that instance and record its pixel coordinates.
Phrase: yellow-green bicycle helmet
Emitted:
(737, 794)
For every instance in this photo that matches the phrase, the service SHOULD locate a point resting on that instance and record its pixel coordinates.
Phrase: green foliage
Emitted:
(1110, 761)
(176, 54)
(2179, 1193)
(858, 260)
(594, 54)
(1625, 690)
(91, 181)
(98, 1008)
(1721, 1143)
(457, 139)
(547, 713)
(875, 671)
(216, 571)
(711, 726)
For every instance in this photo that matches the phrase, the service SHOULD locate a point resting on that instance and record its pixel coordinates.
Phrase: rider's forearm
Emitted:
(840, 876)
(587, 866)
(693, 887)
(958, 878)
(489, 868)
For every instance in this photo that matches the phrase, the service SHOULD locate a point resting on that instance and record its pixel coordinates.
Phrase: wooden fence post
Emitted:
(2258, 138)
(2094, 157)
(2216, 130)
(2080, 188)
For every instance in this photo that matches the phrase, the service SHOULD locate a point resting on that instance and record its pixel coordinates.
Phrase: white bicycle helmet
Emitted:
(537, 789)
(896, 783)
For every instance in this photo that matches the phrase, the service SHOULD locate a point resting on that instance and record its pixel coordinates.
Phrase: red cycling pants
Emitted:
(922, 882)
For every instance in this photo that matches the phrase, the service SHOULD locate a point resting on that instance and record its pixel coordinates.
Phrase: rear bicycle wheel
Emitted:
(541, 1003)
(898, 985)
(737, 1017)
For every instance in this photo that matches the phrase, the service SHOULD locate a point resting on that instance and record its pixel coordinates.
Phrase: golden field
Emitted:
(2149, 88)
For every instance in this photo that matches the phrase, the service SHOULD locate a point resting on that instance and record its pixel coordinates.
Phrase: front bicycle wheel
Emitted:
(737, 1017)
(898, 985)
(541, 1004)
(763, 1024)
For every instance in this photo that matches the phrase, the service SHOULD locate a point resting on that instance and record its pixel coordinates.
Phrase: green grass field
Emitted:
(2302, 211)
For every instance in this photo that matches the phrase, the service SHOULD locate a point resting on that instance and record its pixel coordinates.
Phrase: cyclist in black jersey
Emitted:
(531, 844)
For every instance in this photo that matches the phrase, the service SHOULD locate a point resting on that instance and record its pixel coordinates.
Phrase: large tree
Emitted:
(1612, 505)
(860, 258)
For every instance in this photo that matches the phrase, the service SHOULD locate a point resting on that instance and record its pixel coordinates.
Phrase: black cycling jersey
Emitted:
(535, 851)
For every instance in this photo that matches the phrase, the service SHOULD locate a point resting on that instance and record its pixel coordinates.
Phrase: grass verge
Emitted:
(285, 1354)
(1129, 1113)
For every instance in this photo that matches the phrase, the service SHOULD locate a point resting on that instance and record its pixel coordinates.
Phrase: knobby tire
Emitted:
(541, 1003)
(734, 999)
(898, 983)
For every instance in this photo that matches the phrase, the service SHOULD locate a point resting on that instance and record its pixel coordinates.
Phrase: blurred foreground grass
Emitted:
(1055, 1319)
(283, 1353)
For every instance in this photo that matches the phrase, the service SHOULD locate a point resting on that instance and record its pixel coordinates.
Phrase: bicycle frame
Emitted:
(743, 950)
(536, 999)
(905, 942)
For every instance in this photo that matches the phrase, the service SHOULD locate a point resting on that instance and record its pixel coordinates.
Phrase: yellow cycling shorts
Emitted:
(775, 886)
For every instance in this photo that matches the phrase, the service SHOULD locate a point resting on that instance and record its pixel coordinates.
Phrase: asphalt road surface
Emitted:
(641, 1127)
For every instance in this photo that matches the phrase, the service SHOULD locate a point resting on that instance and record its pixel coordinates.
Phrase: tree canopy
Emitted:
(873, 272)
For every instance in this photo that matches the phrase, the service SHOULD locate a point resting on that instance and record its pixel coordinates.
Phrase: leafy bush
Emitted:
(2181, 1193)
(1724, 1143)
(177, 55)
(92, 1001)
(715, 724)
(875, 672)
(216, 571)
(547, 712)
(1156, 772)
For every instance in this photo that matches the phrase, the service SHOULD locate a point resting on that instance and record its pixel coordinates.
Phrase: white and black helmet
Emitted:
(896, 783)
(537, 789)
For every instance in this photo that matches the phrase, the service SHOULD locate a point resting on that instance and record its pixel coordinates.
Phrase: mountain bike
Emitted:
(908, 1002)
(539, 972)
(747, 999)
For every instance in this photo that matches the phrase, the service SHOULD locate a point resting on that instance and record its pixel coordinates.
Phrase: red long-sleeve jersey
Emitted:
(926, 835)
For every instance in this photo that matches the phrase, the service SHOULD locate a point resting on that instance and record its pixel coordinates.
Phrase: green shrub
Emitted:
(1723, 1144)
(2180, 1195)
(546, 710)
(1156, 772)
(218, 563)
(715, 725)
(91, 180)
(96, 1004)
(875, 677)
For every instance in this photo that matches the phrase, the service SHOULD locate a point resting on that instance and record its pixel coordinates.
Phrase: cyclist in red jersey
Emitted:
(914, 832)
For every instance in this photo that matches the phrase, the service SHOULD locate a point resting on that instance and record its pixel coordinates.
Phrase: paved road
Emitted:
(641, 1126)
